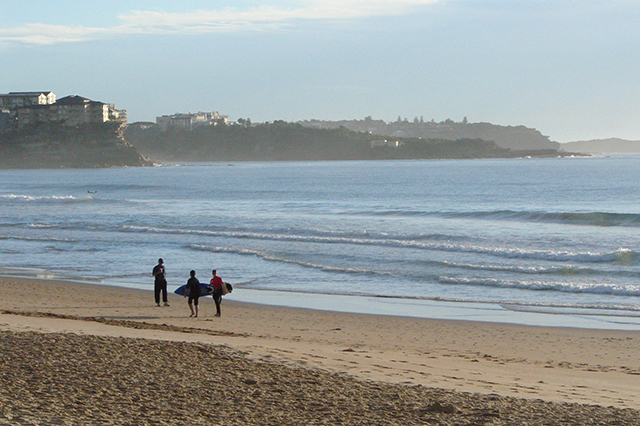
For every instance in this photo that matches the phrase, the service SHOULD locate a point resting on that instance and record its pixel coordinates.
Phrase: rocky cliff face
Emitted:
(54, 146)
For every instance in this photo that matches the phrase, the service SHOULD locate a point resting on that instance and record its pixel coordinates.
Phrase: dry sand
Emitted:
(90, 354)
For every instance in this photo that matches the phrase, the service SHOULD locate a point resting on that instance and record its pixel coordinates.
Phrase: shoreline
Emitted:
(492, 312)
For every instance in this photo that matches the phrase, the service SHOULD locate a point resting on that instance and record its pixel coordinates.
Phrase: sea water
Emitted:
(557, 236)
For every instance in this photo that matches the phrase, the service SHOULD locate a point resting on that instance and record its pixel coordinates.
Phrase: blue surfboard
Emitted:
(205, 290)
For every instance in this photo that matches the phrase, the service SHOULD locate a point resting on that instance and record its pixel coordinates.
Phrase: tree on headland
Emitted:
(284, 141)
(244, 123)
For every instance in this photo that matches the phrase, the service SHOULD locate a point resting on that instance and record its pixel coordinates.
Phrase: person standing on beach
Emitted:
(160, 286)
(216, 283)
(193, 291)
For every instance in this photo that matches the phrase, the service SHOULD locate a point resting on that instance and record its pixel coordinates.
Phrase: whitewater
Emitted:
(556, 236)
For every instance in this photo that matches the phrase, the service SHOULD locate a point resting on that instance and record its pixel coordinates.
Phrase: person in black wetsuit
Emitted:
(193, 291)
(160, 286)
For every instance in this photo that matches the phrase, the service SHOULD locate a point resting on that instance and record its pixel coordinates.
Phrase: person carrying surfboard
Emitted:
(216, 283)
(193, 291)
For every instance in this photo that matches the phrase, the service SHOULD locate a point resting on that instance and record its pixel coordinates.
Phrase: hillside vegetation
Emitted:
(281, 141)
(611, 145)
(512, 137)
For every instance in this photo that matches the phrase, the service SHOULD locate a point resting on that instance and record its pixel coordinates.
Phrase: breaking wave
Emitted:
(18, 198)
(282, 259)
(432, 242)
(563, 287)
(568, 218)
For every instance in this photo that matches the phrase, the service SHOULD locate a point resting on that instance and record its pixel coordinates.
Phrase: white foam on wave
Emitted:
(44, 198)
(576, 309)
(622, 255)
(38, 239)
(526, 269)
(563, 287)
(273, 258)
(593, 218)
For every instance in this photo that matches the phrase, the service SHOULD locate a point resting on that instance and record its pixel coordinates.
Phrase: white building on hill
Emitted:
(13, 100)
(28, 108)
(190, 121)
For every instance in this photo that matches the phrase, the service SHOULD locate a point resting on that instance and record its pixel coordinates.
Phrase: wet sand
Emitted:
(108, 355)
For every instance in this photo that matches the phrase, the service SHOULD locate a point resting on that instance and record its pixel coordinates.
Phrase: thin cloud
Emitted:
(50, 34)
(265, 17)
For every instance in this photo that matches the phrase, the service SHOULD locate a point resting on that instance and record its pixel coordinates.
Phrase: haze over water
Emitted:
(541, 235)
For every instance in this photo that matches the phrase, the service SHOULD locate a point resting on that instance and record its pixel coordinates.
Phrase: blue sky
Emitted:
(569, 68)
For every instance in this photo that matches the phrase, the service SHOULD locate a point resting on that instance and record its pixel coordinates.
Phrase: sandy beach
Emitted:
(91, 354)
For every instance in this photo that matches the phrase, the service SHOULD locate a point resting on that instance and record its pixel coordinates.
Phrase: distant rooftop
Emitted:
(73, 100)
(44, 92)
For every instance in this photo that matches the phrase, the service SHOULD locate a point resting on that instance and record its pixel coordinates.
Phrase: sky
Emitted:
(569, 68)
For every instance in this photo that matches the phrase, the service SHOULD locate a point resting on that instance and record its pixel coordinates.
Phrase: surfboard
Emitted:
(205, 290)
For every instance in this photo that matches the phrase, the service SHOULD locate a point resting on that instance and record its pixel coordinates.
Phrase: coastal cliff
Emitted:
(604, 146)
(52, 145)
(281, 141)
(511, 137)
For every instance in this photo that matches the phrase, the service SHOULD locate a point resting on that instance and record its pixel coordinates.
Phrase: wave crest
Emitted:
(606, 219)
(20, 198)
(433, 242)
(562, 287)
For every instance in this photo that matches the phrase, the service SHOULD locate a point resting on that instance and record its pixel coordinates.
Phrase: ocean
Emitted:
(511, 240)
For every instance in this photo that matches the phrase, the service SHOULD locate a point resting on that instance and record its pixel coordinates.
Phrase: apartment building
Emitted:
(190, 121)
(13, 100)
(74, 110)
(27, 108)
